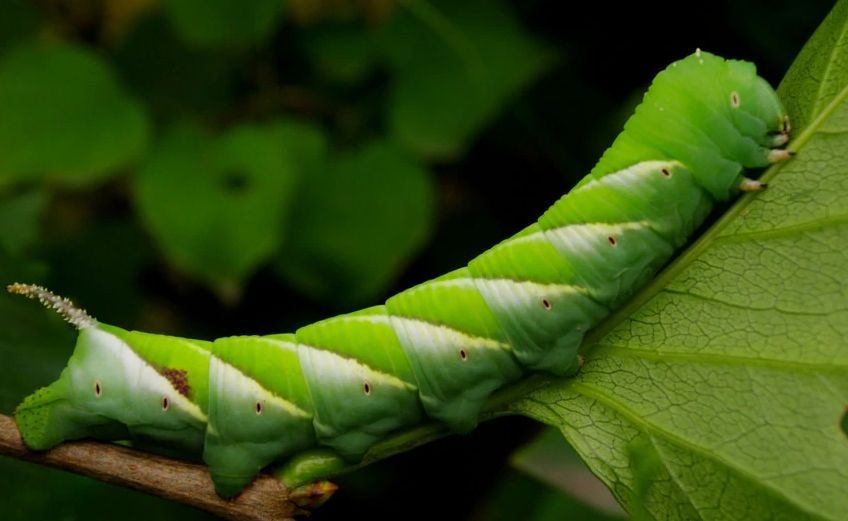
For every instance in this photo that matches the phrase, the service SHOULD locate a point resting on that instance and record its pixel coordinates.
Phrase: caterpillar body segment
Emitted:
(320, 397)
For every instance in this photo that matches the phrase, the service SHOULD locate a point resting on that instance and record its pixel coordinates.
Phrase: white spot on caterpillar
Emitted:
(98, 389)
(734, 100)
(698, 52)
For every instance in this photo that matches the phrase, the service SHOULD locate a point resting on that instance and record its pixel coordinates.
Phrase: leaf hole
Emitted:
(235, 182)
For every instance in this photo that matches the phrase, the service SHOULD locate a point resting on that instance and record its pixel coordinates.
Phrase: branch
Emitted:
(266, 499)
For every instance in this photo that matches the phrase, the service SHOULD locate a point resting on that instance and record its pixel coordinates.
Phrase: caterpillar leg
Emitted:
(310, 466)
(751, 185)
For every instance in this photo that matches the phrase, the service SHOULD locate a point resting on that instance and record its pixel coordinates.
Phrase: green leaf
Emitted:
(732, 366)
(64, 114)
(551, 460)
(224, 23)
(19, 220)
(342, 52)
(20, 20)
(181, 79)
(518, 496)
(357, 222)
(456, 65)
(217, 205)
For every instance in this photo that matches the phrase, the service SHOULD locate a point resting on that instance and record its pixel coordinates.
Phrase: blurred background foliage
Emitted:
(217, 167)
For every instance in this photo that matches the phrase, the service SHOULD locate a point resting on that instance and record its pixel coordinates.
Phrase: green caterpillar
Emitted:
(325, 394)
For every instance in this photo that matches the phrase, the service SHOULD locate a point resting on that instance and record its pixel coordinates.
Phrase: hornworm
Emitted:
(439, 349)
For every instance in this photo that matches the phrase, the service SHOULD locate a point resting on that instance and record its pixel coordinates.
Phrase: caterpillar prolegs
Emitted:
(439, 349)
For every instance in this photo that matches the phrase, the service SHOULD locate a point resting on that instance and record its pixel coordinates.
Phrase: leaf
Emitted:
(65, 114)
(342, 52)
(732, 366)
(518, 496)
(19, 220)
(224, 23)
(217, 205)
(551, 460)
(456, 65)
(357, 222)
(20, 20)
(181, 79)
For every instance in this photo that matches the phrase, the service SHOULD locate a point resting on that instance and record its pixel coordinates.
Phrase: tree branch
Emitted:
(266, 499)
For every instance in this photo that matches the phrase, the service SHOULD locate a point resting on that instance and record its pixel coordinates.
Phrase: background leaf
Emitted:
(732, 367)
(216, 204)
(456, 64)
(64, 113)
(19, 220)
(224, 23)
(357, 221)
(551, 460)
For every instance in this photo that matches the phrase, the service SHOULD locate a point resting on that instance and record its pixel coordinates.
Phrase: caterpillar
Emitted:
(438, 350)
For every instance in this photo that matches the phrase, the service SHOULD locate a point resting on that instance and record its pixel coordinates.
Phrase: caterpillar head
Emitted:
(106, 390)
(754, 105)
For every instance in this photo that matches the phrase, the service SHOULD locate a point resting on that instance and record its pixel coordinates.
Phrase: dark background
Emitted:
(92, 241)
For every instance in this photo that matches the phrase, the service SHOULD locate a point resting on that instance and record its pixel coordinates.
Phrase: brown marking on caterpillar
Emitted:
(366, 388)
(463, 355)
(665, 172)
(546, 304)
(258, 408)
(612, 241)
(178, 379)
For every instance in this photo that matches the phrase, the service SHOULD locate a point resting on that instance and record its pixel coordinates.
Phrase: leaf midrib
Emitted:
(720, 359)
